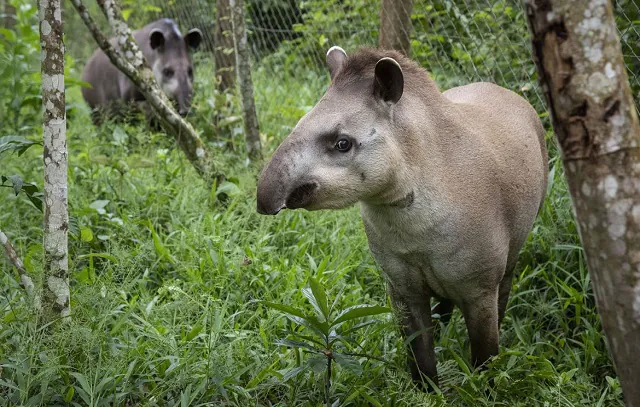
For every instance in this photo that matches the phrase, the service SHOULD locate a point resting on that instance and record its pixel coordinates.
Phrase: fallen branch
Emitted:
(129, 59)
(25, 280)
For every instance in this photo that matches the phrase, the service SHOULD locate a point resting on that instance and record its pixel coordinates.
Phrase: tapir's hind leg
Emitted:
(503, 294)
(481, 318)
(505, 285)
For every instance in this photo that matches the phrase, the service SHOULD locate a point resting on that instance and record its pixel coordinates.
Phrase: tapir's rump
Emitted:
(449, 185)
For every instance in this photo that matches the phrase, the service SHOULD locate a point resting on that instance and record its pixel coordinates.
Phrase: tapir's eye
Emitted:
(167, 73)
(343, 145)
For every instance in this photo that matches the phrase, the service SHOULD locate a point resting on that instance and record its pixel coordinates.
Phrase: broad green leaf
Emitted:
(348, 362)
(358, 326)
(99, 205)
(317, 363)
(17, 183)
(311, 323)
(157, 243)
(294, 372)
(321, 298)
(16, 144)
(227, 189)
(82, 380)
(194, 332)
(295, 344)
(86, 235)
(308, 294)
(285, 308)
(359, 311)
(68, 396)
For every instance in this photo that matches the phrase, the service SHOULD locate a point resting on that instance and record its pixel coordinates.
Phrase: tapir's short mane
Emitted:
(361, 65)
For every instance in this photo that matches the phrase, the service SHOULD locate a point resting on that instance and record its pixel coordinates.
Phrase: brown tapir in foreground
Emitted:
(166, 51)
(449, 185)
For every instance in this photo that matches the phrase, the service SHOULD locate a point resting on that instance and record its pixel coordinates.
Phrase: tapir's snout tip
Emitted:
(268, 203)
(264, 209)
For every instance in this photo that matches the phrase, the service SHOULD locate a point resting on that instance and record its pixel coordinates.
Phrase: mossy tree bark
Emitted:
(395, 25)
(224, 53)
(128, 58)
(578, 55)
(243, 68)
(56, 299)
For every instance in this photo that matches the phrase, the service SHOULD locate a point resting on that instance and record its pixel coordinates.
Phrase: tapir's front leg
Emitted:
(414, 312)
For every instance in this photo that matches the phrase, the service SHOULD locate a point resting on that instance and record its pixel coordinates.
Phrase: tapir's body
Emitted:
(166, 51)
(449, 186)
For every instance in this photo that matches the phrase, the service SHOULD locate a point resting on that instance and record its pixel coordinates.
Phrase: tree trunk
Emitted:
(129, 59)
(56, 219)
(25, 280)
(224, 53)
(395, 25)
(581, 70)
(252, 132)
(9, 11)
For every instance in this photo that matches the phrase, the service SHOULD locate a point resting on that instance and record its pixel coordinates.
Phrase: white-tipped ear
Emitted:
(389, 81)
(193, 38)
(336, 57)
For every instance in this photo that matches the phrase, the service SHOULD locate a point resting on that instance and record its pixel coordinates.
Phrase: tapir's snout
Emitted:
(284, 184)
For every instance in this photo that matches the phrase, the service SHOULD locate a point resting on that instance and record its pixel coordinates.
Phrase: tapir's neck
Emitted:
(419, 122)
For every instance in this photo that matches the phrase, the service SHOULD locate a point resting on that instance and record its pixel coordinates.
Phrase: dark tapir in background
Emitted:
(167, 53)
(449, 185)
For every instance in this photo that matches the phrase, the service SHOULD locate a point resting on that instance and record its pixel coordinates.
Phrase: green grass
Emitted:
(166, 286)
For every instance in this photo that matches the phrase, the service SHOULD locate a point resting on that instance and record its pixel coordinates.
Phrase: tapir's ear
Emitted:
(389, 82)
(156, 39)
(336, 57)
(193, 38)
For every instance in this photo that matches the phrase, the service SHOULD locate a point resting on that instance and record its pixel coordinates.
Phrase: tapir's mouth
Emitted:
(301, 196)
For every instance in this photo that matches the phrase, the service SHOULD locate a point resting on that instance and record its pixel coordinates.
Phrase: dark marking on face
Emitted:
(363, 177)
(405, 202)
(372, 132)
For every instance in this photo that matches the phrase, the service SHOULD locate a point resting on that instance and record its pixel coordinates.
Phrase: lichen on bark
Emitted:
(581, 70)
(56, 219)
(251, 128)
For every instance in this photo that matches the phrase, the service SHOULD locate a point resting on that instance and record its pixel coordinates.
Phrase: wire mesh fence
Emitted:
(457, 41)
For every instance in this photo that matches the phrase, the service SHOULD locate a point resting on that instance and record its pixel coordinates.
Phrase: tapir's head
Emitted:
(344, 150)
(171, 62)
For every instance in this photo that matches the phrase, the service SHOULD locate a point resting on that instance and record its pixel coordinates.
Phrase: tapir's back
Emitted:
(506, 121)
(504, 125)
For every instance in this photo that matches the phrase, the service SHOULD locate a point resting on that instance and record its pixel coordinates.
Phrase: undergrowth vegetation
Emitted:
(174, 284)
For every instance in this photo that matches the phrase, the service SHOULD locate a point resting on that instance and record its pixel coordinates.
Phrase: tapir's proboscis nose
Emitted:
(283, 184)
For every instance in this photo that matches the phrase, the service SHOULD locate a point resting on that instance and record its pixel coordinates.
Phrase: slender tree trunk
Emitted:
(25, 280)
(224, 53)
(9, 11)
(56, 219)
(252, 132)
(395, 25)
(129, 59)
(581, 70)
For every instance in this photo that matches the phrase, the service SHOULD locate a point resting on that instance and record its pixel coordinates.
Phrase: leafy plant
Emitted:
(329, 340)
(31, 190)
